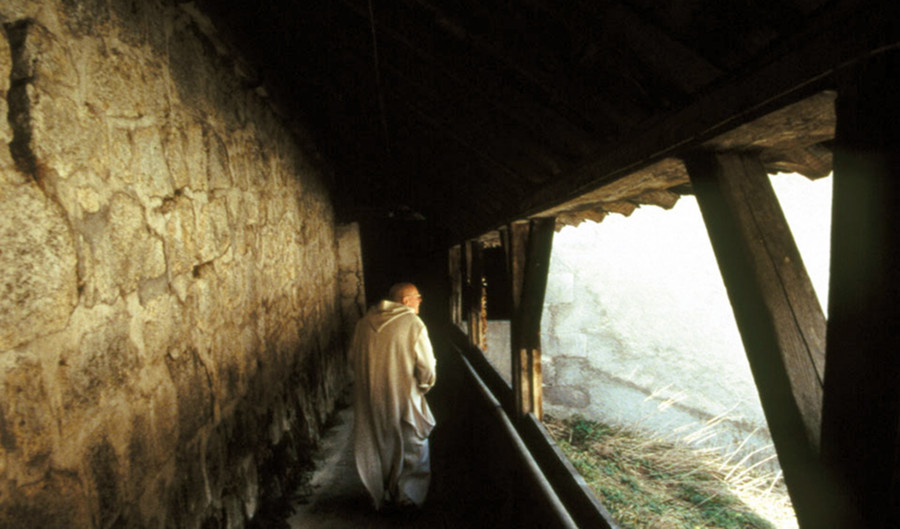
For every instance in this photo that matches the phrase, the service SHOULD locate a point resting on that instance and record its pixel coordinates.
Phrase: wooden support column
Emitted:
(475, 310)
(781, 323)
(456, 279)
(528, 246)
(464, 274)
(861, 415)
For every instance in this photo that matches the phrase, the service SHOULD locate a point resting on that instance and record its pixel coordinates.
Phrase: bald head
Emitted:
(407, 294)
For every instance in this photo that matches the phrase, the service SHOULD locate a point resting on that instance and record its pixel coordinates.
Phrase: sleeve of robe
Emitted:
(425, 362)
(419, 415)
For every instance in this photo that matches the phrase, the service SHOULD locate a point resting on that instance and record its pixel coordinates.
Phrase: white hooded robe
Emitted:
(394, 367)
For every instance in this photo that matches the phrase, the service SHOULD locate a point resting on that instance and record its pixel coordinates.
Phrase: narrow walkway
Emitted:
(338, 500)
(469, 487)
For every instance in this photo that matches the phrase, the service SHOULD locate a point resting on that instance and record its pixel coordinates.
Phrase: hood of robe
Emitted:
(385, 312)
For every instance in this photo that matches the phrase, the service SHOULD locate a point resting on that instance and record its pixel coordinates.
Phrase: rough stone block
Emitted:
(56, 502)
(103, 361)
(37, 256)
(567, 396)
(115, 235)
(182, 252)
(6, 133)
(26, 423)
(194, 390)
(570, 371)
(184, 146)
(218, 166)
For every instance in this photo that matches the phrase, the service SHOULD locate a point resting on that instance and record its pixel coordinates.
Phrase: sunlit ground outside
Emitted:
(638, 333)
(648, 482)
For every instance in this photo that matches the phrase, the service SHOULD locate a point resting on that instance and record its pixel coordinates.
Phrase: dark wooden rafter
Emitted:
(508, 174)
(487, 103)
(664, 57)
(838, 37)
(556, 89)
(528, 163)
(861, 414)
(729, 31)
(778, 315)
(527, 245)
(668, 58)
(476, 81)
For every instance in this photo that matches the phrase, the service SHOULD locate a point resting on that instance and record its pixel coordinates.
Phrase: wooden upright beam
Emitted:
(528, 246)
(456, 278)
(779, 318)
(861, 415)
(476, 313)
(515, 244)
(464, 273)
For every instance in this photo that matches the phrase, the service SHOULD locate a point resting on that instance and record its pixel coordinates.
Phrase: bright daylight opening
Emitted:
(646, 384)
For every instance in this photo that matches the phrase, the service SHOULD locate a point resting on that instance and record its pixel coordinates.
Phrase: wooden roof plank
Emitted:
(835, 39)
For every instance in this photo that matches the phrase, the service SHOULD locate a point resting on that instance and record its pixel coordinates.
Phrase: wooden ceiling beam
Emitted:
(509, 176)
(568, 131)
(835, 39)
(573, 100)
(682, 69)
(528, 157)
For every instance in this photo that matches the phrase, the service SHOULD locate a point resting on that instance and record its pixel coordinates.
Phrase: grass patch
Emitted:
(657, 484)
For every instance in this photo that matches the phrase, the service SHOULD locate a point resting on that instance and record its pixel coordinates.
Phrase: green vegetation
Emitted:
(656, 484)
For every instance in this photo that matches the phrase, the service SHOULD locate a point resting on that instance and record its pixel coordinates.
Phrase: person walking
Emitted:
(394, 366)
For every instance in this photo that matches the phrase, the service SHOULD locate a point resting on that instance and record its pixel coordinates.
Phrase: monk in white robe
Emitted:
(394, 367)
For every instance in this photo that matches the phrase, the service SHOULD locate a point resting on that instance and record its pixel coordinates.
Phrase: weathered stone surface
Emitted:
(6, 133)
(116, 235)
(567, 396)
(133, 21)
(570, 371)
(82, 17)
(37, 256)
(101, 363)
(57, 502)
(26, 422)
(185, 151)
(170, 321)
(65, 133)
(218, 167)
(351, 283)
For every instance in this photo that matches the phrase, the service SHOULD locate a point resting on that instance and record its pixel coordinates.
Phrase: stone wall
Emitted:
(170, 339)
(350, 277)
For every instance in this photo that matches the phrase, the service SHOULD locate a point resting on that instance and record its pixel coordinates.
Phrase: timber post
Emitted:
(475, 300)
(457, 281)
(528, 246)
(861, 414)
(779, 318)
